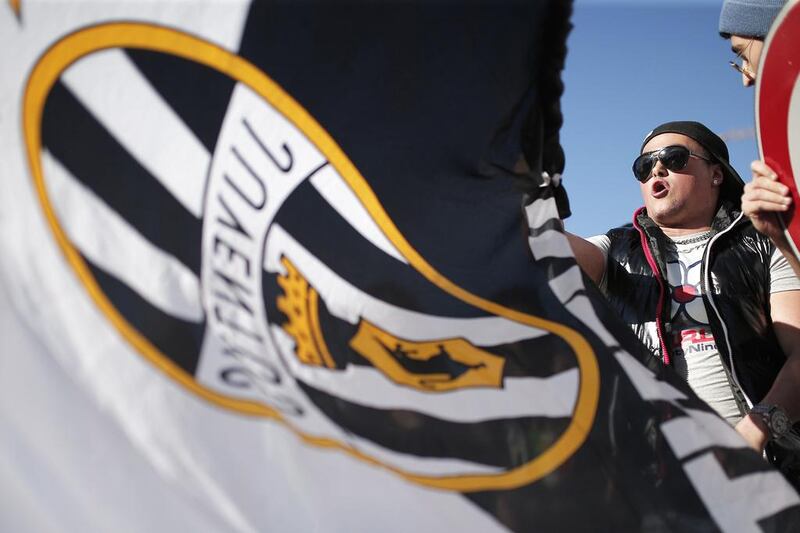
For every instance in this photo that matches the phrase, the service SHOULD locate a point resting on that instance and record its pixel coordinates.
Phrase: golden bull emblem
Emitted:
(436, 365)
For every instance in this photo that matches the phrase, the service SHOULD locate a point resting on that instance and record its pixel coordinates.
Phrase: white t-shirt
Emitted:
(695, 357)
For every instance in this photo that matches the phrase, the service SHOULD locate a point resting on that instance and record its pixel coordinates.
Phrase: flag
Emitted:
(266, 269)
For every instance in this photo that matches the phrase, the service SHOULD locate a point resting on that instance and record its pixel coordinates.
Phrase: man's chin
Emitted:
(662, 215)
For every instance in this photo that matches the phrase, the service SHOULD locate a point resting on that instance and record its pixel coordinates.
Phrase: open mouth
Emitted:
(659, 189)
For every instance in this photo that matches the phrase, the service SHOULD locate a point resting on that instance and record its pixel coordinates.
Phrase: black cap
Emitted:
(732, 185)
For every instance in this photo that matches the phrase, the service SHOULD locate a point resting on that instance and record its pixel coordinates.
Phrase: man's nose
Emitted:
(748, 74)
(659, 169)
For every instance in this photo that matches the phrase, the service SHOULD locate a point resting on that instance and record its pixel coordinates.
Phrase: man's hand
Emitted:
(764, 197)
(754, 432)
(763, 200)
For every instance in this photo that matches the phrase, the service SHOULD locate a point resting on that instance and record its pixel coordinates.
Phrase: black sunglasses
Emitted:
(673, 157)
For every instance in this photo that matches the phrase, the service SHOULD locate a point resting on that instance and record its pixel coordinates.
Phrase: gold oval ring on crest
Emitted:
(169, 41)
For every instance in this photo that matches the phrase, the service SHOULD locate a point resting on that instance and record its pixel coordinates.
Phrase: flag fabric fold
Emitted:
(264, 270)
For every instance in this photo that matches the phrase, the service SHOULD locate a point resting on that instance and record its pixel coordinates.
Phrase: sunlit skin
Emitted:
(684, 201)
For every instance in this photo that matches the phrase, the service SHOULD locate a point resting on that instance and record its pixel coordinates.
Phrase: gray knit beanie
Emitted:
(748, 18)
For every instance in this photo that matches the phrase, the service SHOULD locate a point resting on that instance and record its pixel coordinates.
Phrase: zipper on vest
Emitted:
(661, 289)
(708, 291)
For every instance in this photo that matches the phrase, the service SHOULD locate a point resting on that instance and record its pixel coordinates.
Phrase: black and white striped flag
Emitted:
(266, 269)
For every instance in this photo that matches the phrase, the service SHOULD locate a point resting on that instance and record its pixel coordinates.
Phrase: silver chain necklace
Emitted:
(696, 238)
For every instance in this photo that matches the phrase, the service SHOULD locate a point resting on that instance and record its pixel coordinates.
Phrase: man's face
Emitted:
(686, 198)
(748, 52)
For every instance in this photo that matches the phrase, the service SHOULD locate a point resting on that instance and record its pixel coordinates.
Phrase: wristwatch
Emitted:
(774, 418)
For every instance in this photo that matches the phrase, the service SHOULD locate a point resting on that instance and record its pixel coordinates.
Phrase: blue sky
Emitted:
(632, 65)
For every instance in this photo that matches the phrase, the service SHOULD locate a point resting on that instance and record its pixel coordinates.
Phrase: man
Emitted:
(703, 290)
(746, 23)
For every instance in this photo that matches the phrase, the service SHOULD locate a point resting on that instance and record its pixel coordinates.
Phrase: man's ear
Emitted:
(718, 177)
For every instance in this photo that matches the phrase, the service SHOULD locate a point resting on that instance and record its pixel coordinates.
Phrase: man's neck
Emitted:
(684, 230)
(682, 226)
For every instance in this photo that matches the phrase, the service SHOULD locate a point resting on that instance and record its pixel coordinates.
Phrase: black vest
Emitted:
(737, 304)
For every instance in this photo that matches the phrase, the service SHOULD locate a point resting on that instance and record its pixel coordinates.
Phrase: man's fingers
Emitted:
(753, 208)
(761, 169)
(764, 195)
(767, 196)
(764, 183)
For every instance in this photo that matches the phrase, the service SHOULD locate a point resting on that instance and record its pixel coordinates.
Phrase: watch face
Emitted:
(779, 422)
